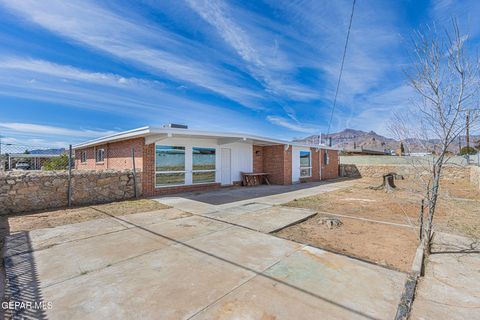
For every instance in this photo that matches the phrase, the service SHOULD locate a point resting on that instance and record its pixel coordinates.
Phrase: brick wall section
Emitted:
(287, 158)
(148, 170)
(258, 159)
(118, 155)
(278, 163)
(330, 170)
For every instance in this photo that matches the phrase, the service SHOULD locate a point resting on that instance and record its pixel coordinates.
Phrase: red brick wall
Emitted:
(287, 162)
(149, 170)
(148, 178)
(315, 164)
(257, 159)
(330, 171)
(278, 163)
(118, 155)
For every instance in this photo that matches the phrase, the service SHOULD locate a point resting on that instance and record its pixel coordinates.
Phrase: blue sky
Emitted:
(76, 70)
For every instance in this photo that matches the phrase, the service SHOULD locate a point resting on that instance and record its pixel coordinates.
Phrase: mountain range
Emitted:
(350, 139)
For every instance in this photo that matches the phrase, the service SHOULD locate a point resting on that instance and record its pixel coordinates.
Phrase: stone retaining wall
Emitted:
(22, 191)
(451, 172)
(475, 176)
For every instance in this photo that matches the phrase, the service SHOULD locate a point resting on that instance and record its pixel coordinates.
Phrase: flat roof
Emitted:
(32, 155)
(148, 131)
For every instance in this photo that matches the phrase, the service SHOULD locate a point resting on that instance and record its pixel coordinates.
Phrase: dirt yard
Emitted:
(376, 236)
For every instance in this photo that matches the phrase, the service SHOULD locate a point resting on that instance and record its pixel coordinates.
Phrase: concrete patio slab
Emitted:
(74, 258)
(187, 205)
(203, 202)
(192, 267)
(172, 283)
(313, 284)
(211, 201)
(450, 288)
(250, 249)
(185, 229)
(222, 212)
(152, 217)
(43, 238)
(271, 219)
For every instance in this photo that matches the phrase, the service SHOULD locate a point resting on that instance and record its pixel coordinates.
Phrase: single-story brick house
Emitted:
(174, 159)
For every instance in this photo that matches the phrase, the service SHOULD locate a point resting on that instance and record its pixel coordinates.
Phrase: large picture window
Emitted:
(203, 165)
(169, 165)
(305, 164)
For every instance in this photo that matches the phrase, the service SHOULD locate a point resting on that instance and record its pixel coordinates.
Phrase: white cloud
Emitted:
(279, 121)
(265, 61)
(68, 72)
(91, 25)
(45, 130)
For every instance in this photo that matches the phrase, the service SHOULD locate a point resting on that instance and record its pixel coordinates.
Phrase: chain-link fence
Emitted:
(27, 157)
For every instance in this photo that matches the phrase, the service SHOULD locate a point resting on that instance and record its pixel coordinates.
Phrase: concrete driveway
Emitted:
(169, 264)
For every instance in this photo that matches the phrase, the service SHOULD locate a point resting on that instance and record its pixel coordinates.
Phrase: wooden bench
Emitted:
(254, 178)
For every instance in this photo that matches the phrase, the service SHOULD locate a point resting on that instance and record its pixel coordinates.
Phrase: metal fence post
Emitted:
(134, 174)
(421, 219)
(70, 176)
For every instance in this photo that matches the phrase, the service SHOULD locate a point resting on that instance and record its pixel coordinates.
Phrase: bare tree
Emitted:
(445, 76)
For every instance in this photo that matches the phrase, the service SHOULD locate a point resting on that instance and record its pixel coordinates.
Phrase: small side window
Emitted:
(83, 157)
(326, 159)
(100, 155)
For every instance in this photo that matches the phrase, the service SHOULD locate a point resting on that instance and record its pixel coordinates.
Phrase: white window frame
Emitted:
(97, 150)
(326, 157)
(185, 171)
(83, 157)
(209, 170)
(309, 168)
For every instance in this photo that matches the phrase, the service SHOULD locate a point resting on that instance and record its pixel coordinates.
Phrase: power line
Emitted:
(341, 69)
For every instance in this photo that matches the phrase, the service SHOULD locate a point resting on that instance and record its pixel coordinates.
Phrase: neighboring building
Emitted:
(363, 151)
(24, 161)
(179, 159)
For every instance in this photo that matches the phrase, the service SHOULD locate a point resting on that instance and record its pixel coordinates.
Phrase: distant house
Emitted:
(174, 158)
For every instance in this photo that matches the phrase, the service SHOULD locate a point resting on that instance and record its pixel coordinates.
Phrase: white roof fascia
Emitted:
(148, 131)
(124, 135)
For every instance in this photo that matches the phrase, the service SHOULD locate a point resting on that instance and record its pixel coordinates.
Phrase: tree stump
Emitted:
(388, 183)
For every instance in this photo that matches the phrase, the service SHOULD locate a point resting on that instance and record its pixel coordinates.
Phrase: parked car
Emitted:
(22, 165)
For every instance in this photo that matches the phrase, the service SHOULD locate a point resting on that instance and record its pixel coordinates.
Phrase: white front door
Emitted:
(295, 164)
(226, 166)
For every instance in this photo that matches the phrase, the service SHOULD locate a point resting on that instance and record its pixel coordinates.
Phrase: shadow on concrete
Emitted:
(4, 231)
(260, 274)
(234, 194)
(21, 283)
(473, 247)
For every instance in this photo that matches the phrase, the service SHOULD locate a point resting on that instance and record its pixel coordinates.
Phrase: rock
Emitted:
(331, 222)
